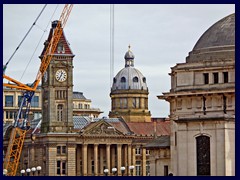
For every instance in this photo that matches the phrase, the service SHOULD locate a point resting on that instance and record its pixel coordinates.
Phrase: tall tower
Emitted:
(129, 93)
(57, 88)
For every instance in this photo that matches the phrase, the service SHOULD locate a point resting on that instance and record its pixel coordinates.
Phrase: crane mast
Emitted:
(20, 127)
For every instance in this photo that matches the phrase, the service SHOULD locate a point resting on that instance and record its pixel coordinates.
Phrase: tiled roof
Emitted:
(80, 122)
(162, 141)
(78, 95)
(147, 128)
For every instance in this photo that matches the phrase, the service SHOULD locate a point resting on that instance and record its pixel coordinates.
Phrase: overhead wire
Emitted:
(5, 66)
(111, 43)
(44, 31)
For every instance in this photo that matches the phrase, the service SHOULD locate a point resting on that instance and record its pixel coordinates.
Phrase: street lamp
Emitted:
(105, 172)
(28, 170)
(22, 172)
(122, 170)
(39, 168)
(114, 171)
(33, 170)
(5, 171)
(131, 169)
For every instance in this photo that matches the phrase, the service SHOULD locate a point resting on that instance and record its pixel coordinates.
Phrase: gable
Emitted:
(101, 128)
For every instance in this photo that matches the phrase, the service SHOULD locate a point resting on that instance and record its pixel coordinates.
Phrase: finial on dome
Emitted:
(129, 47)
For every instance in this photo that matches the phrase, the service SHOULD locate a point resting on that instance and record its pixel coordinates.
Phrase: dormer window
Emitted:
(135, 79)
(60, 48)
(123, 79)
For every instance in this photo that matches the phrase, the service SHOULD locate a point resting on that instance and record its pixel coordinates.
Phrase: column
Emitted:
(129, 159)
(144, 161)
(134, 160)
(108, 156)
(84, 159)
(101, 164)
(113, 157)
(89, 161)
(95, 159)
(51, 162)
(119, 159)
(71, 150)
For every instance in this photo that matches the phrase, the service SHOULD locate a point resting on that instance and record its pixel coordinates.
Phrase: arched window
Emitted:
(144, 79)
(203, 156)
(123, 79)
(123, 83)
(114, 80)
(135, 79)
(60, 48)
(59, 112)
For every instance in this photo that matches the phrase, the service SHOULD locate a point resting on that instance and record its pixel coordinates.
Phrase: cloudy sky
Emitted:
(160, 36)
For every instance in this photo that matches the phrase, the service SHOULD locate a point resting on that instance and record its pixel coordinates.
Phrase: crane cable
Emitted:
(39, 41)
(111, 43)
(5, 66)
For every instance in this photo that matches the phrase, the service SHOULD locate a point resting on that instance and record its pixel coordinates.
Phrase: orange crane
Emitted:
(20, 128)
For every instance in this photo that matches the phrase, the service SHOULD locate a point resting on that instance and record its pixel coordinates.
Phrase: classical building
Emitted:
(197, 138)
(202, 105)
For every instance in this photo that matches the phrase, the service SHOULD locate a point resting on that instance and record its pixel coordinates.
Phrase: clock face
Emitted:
(61, 75)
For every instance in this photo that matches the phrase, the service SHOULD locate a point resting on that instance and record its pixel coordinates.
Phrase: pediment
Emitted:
(101, 128)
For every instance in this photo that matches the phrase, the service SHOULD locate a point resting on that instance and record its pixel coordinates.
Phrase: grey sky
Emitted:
(160, 36)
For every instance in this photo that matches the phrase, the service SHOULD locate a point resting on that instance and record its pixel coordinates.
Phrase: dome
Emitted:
(129, 78)
(218, 42)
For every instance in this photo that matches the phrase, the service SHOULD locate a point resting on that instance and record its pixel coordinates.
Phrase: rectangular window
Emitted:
(138, 151)
(206, 78)
(138, 168)
(61, 150)
(215, 78)
(147, 152)
(225, 77)
(35, 101)
(9, 101)
(147, 168)
(61, 167)
(58, 150)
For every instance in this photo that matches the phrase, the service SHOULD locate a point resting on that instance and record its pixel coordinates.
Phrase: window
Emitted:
(147, 168)
(35, 101)
(60, 48)
(61, 150)
(215, 78)
(147, 152)
(80, 106)
(203, 156)
(206, 78)
(144, 79)
(138, 151)
(123, 103)
(9, 101)
(138, 168)
(135, 79)
(225, 77)
(60, 112)
(123, 83)
(136, 103)
(61, 167)
(114, 80)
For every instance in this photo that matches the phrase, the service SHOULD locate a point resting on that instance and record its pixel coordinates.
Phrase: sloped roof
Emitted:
(162, 141)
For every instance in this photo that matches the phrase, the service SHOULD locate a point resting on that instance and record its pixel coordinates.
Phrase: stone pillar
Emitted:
(134, 160)
(95, 159)
(89, 161)
(84, 159)
(108, 156)
(71, 150)
(113, 157)
(144, 161)
(101, 164)
(51, 161)
(129, 159)
(119, 159)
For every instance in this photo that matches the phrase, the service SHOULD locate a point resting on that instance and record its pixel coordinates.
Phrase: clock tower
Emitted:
(57, 88)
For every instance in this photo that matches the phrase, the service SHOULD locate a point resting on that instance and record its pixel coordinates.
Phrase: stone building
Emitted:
(197, 138)
(202, 105)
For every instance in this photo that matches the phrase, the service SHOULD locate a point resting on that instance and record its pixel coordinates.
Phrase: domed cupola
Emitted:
(129, 58)
(129, 93)
(129, 77)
